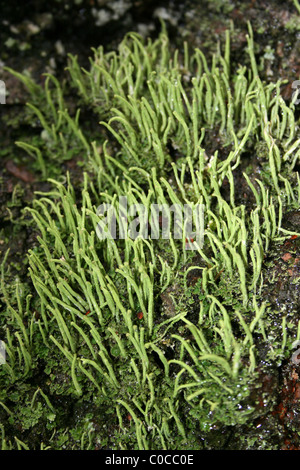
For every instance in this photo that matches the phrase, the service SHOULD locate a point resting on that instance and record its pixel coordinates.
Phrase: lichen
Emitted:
(98, 356)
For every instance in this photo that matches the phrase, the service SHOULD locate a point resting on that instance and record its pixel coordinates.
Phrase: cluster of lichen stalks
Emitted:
(94, 317)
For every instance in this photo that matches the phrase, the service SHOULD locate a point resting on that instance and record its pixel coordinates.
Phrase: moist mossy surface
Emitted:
(132, 344)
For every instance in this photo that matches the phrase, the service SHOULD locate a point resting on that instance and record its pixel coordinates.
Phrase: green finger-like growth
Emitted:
(120, 317)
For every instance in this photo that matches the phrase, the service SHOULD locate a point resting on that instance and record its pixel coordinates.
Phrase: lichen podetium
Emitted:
(106, 329)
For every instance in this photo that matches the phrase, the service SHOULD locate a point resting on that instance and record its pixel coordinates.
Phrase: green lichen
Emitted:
(95, 374)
